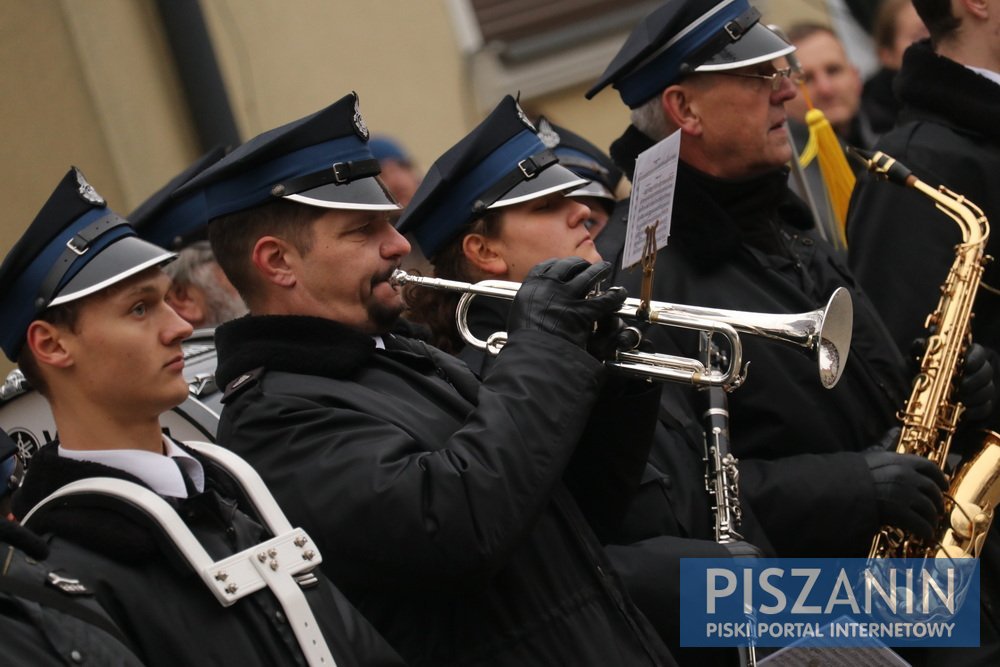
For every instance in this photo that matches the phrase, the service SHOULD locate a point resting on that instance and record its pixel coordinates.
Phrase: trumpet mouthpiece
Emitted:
(398, 278)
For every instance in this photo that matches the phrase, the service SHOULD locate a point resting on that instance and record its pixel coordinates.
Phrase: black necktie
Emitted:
(192, 490)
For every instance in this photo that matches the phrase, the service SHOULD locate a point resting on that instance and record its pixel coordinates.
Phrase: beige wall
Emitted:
(402, 57)
(785, 13)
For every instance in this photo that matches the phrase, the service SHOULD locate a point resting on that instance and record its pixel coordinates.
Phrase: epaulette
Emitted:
(242, 383)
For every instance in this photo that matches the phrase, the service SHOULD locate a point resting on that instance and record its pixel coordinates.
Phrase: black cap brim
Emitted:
(553, 179)
(758, 45)
(364, 194)
(120, 260)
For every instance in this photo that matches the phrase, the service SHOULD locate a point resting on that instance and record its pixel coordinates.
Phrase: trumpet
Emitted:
(825, 332)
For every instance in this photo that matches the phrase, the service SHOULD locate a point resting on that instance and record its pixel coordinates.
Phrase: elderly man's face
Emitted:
(742, 121)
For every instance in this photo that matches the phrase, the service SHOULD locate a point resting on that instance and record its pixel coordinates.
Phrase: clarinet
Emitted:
(721, 473)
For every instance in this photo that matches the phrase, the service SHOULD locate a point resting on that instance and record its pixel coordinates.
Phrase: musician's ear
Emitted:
(978, 8)
(485, 254)
(46, 341)
(681, 107)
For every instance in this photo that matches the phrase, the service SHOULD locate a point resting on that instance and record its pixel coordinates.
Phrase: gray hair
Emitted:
(189, 260)
(195, 265)
(651, 120)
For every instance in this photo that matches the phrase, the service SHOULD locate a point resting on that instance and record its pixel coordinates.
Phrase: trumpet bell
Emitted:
(835, 331)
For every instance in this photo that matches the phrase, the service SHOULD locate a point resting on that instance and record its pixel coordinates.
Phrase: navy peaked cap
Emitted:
(321, 160)
(582, 158)
(175, 222)
(501, 162)
(74, 247)
(684, 36)
(387, 148)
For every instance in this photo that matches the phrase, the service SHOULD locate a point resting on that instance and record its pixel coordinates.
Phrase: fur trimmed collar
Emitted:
(292, 343)
(939, 89)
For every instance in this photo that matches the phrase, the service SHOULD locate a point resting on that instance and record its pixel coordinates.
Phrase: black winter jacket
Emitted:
(47, 618)
(163, 606)
(670, 517)
(900, 246)
(435, 498)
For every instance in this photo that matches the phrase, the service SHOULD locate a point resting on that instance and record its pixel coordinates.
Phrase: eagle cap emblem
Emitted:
(359, 123)
(87, 191)
(548, 134)
(524, 117)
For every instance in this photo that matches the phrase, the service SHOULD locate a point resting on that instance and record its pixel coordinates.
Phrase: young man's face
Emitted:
(126, 347)
(345, 275)
(834, 84)
(543, 228)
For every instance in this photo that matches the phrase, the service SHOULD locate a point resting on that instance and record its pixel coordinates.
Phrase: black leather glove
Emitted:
(553, 299)
(741, 549)
(975, 389)
(908, 491)
(611, 335)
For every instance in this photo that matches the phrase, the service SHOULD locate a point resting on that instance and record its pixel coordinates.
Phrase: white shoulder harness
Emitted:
(283, 564)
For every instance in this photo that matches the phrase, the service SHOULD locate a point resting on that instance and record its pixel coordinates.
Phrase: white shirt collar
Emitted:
(989, 74)
(379, 343)
(160, 472)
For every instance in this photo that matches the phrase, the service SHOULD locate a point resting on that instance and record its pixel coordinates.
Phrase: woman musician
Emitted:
(669, 516)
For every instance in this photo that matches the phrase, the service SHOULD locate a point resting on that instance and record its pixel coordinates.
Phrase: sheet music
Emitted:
(652, 196)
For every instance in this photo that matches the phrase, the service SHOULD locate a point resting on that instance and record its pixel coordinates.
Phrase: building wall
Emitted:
(789, 12)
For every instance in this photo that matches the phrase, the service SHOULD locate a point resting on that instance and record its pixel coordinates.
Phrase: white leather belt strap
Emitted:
(265, 506)
(282, 564)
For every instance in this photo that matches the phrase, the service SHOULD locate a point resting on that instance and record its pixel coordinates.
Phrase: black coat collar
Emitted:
(292, 343)
(936, 88)
(713, 218)
(626, 148)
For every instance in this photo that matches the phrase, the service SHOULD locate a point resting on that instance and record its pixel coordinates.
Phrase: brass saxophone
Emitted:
(932, 413)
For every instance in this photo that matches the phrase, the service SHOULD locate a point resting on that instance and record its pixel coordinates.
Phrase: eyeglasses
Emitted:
(776, 78)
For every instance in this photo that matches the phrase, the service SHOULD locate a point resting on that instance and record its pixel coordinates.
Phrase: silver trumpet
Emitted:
(825, 332)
